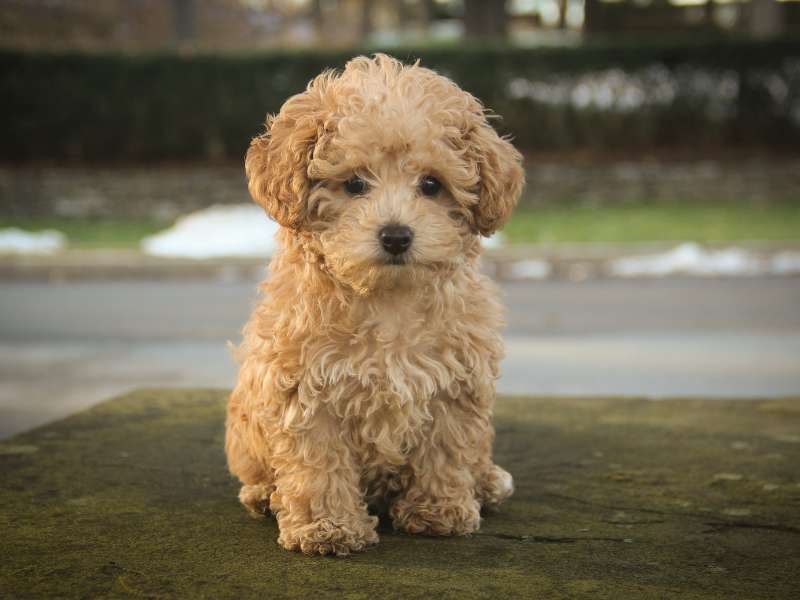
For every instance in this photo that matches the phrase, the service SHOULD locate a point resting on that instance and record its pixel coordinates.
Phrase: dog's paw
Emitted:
(495, 486)
(326, 536)
(436, 518)
(255, 498)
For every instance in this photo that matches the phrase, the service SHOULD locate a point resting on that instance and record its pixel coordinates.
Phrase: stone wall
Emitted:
(654, 181)
(163, 193)
(144, 193)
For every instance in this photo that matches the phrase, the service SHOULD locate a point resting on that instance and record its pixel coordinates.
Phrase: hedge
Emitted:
(123, 108)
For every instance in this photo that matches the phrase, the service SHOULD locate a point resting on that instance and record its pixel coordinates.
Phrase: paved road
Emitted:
(66, 346)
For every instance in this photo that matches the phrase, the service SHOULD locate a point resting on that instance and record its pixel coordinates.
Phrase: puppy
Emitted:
(368, 366)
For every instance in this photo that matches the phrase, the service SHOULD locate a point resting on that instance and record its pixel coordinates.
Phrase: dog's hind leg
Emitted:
(257, 478)
(257, 481)
(255, 498)
(494, 484)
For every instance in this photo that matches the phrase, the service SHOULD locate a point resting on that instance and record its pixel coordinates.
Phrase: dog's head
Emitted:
(389, 172)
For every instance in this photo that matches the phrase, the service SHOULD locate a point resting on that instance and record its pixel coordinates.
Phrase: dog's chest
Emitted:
(399, 354)
(382, 370)
(422, 349)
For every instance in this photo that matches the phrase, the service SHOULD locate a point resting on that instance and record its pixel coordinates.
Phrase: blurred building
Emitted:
(148, 24)
(220, 25)
(759, 18)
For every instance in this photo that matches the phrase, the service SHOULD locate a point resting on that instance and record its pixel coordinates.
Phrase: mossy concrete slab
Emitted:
(615, 499)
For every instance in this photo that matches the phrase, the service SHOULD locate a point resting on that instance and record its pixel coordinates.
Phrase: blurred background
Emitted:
(655, 251)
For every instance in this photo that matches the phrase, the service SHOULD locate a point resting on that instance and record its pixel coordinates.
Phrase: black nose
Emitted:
(396, 239)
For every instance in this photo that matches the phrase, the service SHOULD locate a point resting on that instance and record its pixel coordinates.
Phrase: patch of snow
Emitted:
(497, 240)
(217, 231)
(785, 263)
(228, 230)
(18, 241)
(690, 259)
(529, 269)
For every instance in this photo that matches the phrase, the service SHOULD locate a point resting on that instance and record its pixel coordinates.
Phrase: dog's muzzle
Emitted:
(396, 239)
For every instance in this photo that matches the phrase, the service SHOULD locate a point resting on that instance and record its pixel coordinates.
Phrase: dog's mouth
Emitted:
(396, 261)
(401, 260)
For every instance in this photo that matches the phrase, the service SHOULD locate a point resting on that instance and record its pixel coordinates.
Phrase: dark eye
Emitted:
(430, 186)
(355, 186)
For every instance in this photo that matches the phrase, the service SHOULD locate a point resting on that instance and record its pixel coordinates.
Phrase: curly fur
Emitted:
(364, 383)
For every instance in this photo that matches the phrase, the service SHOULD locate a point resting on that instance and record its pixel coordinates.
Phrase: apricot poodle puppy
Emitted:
(368, 366)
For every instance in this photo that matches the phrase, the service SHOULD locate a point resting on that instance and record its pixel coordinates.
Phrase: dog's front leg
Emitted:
(318, 503)
(440, 499)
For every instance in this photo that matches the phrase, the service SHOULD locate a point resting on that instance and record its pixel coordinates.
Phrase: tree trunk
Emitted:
(318, 20)
(708, 11)
(427, 14)
(404, 14)
(183, 19)
(591, 17)
(366, 20)
(766, 18)
(562, 13)
(485, 19)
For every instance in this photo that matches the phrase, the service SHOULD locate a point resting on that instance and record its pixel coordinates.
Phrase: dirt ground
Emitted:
(614, 499)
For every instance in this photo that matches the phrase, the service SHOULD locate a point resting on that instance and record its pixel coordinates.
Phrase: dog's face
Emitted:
(389, 172)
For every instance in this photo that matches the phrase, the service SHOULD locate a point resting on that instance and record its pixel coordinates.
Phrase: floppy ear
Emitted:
(277, 161)
(501, 177)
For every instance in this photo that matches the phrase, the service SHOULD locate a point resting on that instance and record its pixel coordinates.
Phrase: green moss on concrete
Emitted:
(615, 498)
